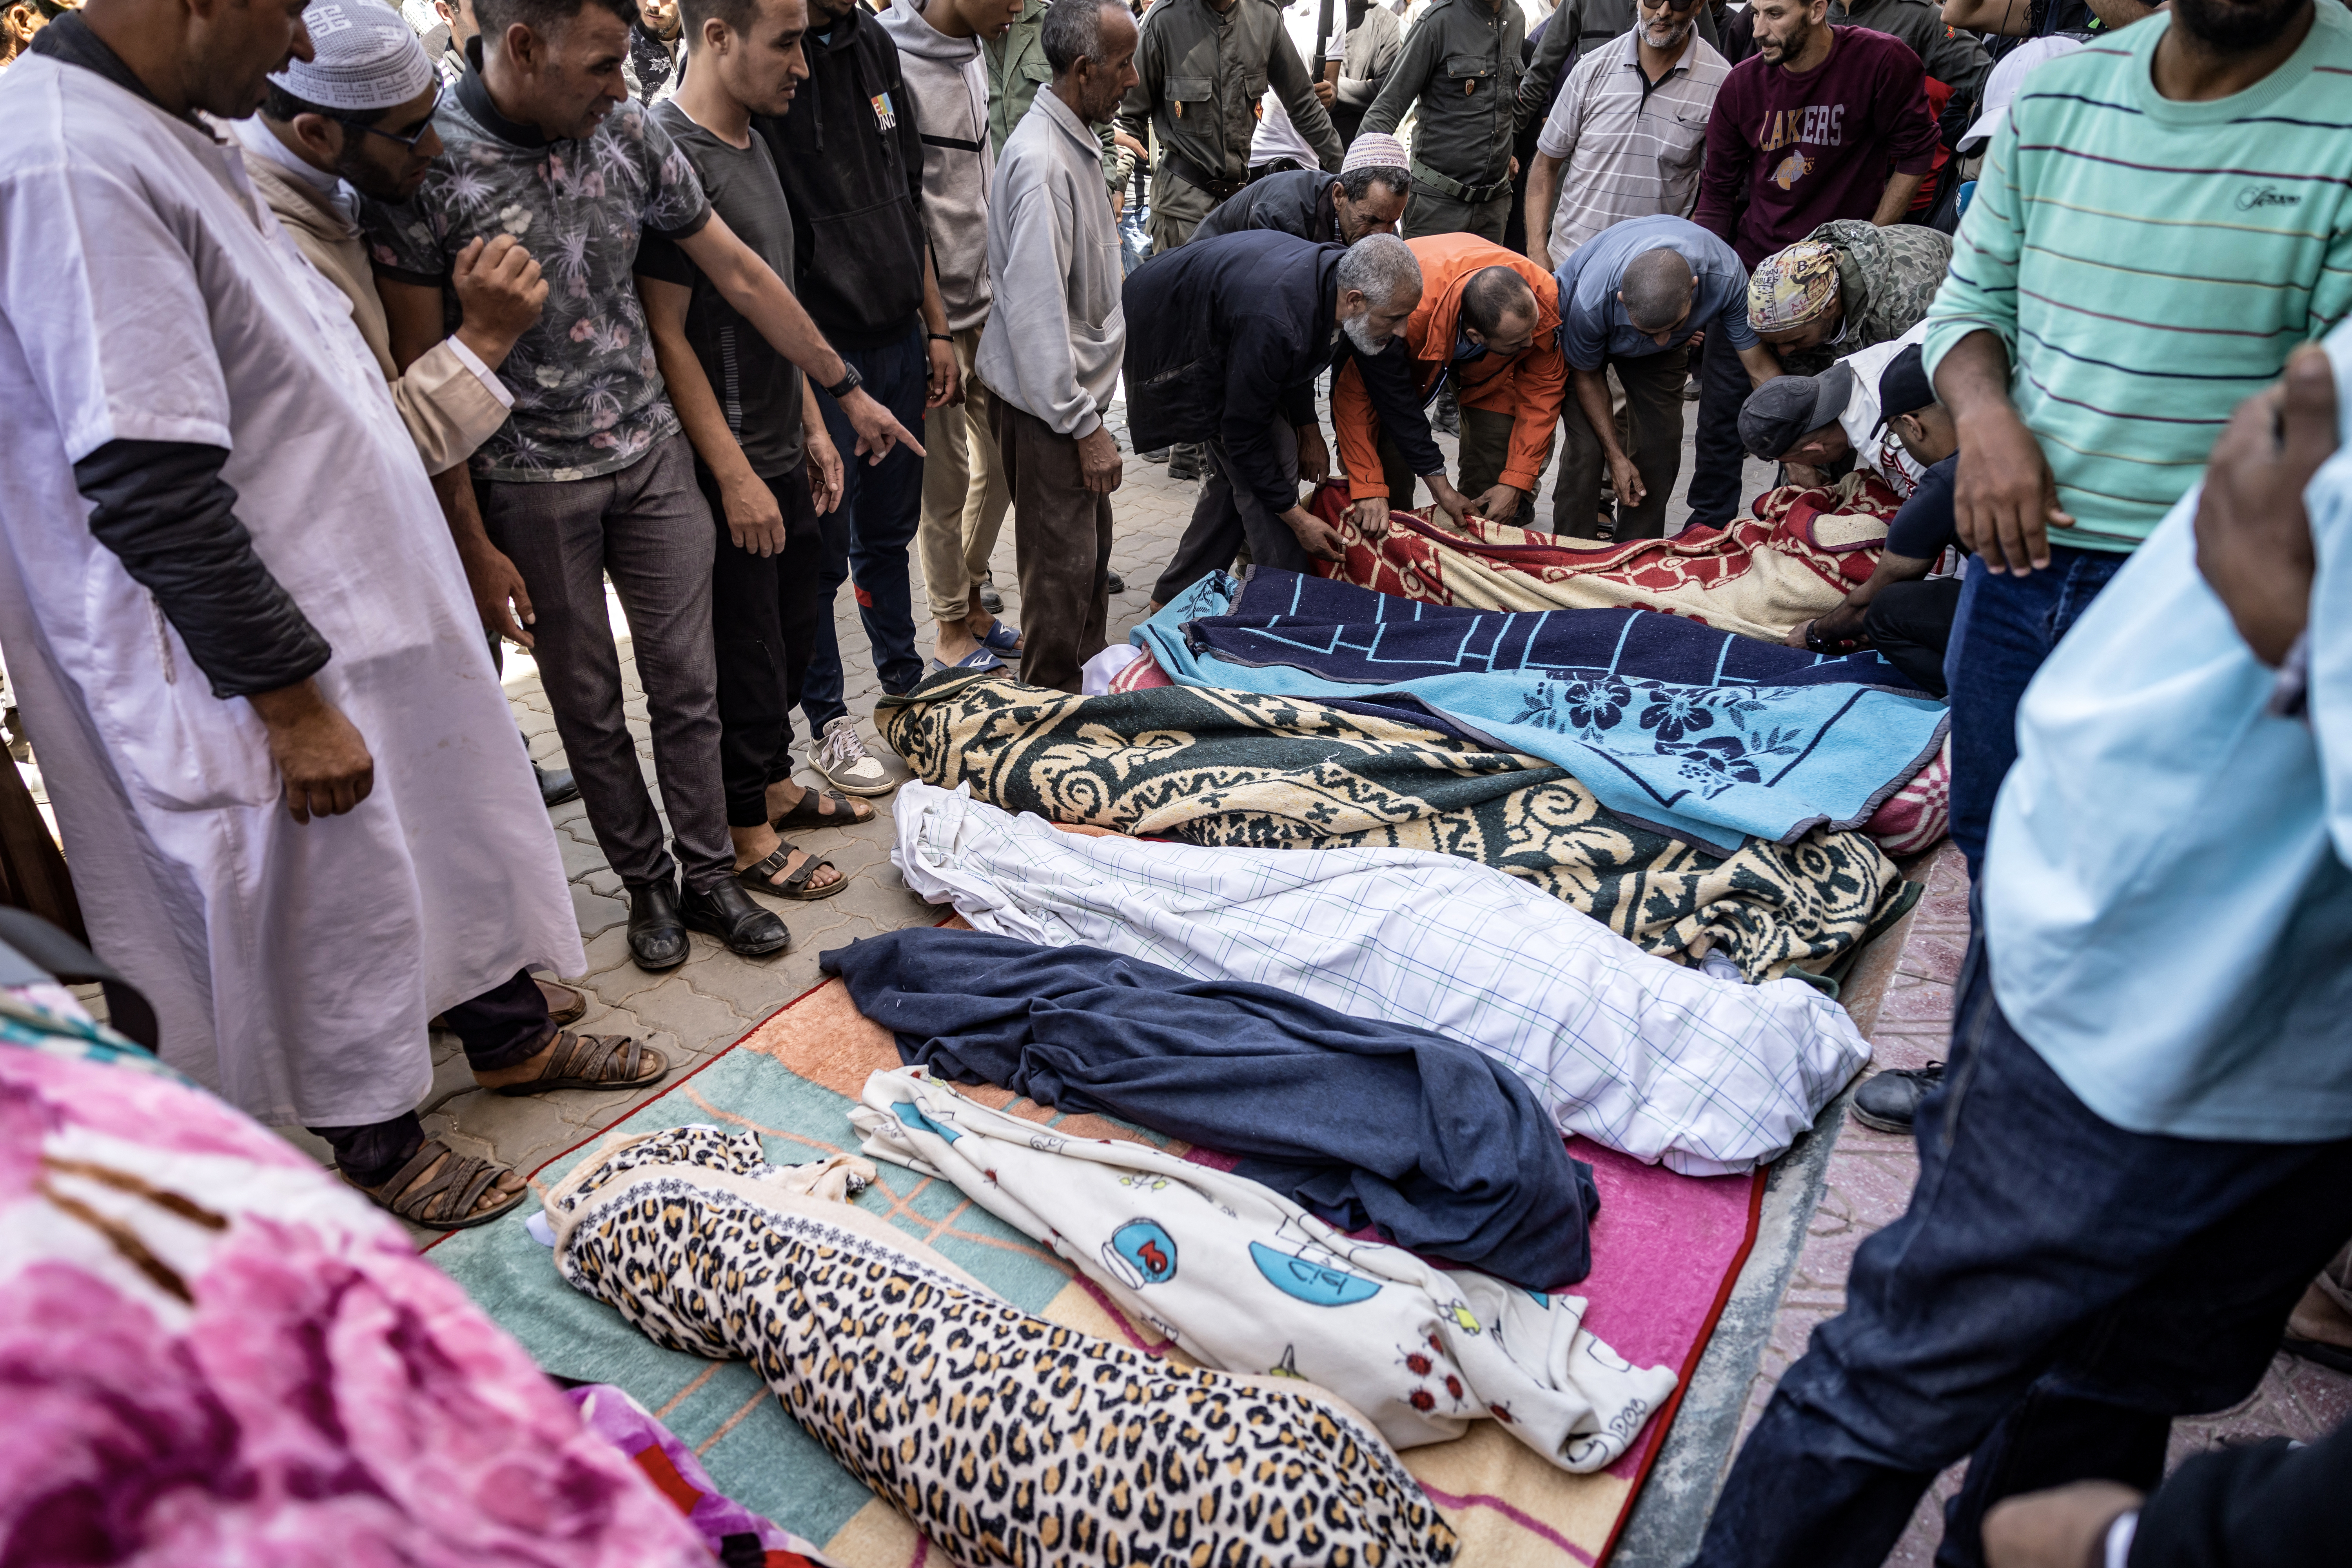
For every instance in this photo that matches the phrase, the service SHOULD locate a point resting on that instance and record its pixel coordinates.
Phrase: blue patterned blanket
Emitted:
(1704, 734)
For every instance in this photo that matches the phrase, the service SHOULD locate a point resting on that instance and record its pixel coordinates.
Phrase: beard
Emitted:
(1359, 332)
(2236, 26)
(1667, 35)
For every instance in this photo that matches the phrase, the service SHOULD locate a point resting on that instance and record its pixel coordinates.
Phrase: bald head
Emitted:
(1497, 299)
(1657, 292)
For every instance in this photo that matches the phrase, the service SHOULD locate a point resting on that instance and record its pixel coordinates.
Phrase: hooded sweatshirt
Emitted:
(852, 165)
(947, 80)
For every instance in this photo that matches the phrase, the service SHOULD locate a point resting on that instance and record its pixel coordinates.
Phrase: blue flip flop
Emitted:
(978, 658)
(1001, 638)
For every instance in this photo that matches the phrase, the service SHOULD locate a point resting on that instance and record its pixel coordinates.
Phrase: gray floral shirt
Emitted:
(587, 397)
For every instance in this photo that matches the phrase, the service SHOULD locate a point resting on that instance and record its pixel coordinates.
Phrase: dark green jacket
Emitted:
(1201, 73)
(1461, 64)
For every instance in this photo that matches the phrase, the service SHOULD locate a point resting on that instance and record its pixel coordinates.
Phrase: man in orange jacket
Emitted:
(1488, 322)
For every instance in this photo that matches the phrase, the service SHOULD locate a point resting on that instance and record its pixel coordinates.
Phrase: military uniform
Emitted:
(1461, 66)
(1201, 74)
(1887, 279)
(1017, 68)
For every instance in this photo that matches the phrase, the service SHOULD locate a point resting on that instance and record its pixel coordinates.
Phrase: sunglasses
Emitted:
(409, 143)
(1669, 4)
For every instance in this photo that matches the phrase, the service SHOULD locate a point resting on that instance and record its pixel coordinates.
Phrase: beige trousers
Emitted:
(964, 491)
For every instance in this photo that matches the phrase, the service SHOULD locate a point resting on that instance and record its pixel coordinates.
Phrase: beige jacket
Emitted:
(448, 407)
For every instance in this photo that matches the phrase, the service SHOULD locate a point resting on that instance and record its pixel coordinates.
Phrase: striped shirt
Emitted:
(2150, 264)
(1629, 147)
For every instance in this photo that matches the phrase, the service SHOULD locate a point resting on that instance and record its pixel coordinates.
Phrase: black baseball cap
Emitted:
(1904, 386)
(1784, 410)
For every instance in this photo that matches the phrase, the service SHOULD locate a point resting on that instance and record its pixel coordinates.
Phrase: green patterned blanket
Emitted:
(1238, 768)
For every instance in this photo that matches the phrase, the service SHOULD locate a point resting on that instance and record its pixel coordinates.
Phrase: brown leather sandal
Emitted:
(446, 1202)
(594, 1061)
(565, 1003)
(805, 813)
(755, 879)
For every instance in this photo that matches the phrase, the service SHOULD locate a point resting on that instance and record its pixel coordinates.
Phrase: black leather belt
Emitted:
(1193, 175)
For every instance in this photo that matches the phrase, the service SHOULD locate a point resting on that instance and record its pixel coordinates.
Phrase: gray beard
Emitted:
(1359, 332)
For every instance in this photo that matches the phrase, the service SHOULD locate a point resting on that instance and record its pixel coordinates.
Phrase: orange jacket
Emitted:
(1530, 387)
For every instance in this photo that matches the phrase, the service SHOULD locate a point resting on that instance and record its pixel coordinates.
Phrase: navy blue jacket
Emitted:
(1226, 336)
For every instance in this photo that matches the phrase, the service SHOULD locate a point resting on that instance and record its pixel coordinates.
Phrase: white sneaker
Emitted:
(844, 761)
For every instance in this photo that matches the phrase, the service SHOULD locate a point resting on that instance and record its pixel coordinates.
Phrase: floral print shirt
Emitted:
(587, 397)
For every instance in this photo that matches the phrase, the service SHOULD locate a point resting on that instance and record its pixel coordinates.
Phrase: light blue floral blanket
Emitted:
(1785, 747)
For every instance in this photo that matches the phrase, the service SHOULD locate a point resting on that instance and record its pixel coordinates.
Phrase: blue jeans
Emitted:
(867, 536)
(2005, 627)
(2058, 1291)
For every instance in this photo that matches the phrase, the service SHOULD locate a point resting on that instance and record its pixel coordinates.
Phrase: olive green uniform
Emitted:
(1461, 66)
(1200, 75)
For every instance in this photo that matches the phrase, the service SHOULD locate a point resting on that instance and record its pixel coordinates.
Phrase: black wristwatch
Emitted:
(850, 381)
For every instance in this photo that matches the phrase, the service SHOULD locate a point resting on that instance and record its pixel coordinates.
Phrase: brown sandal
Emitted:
(565, 1003)
(805, 812)
(583, 1061)
(755, 879)
(446, 1202)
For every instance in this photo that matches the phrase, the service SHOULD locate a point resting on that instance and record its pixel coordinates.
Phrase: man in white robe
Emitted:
(291, 793)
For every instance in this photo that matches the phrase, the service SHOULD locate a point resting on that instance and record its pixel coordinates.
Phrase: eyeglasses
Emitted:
(407, 142)
(1669, 4)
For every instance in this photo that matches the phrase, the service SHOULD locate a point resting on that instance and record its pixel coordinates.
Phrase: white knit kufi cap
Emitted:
(366, 59)
(1373, 151)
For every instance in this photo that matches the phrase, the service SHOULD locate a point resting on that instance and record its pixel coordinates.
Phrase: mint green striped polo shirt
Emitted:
(2151, 264)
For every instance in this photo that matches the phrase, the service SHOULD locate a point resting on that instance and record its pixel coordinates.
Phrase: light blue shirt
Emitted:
(1593, 326)
(2167, 908)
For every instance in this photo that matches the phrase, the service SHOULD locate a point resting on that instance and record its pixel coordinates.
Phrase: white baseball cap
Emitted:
(2007, 76)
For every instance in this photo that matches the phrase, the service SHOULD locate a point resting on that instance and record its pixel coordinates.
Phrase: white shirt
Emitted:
(291, 966)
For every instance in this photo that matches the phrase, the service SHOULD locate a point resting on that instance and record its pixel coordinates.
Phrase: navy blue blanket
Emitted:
(1446, 1152)
(1418, 639)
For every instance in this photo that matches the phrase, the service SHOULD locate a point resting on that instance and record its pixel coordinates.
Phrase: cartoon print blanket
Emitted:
(1241, 1279)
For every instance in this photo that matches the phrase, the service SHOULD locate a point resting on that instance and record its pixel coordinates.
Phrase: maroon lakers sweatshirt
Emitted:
(1786, 153)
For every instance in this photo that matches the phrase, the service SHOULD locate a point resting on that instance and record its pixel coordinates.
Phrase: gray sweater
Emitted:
(1055, 337)
(948, 79)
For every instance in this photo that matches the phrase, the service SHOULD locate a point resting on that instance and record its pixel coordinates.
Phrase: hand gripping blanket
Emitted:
(1004, 1438)
(1798, 557)
(1364, 1122)
(1240, 1280)
(1653, 721)
(1633, 1051)
(1235, 768)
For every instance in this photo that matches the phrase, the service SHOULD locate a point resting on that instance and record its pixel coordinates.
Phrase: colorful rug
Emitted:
(1799, 554)
(1236, 768)
(1646, 720)
(1667, 1251)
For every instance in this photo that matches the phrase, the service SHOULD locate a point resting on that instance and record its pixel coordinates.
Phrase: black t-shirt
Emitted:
(1924, 527)
(759, 390)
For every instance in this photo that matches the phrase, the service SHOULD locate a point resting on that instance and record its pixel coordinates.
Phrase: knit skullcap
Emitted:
(366, 59)
(1374, 151)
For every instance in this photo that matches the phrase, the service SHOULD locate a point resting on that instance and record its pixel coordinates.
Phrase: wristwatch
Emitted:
(850, 381)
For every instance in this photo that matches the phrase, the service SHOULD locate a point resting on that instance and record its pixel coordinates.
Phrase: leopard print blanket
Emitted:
(1004, 1438)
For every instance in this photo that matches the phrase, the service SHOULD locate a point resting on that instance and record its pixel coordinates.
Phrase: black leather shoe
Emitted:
(656, 936)
(1890, 1101)
(1115, 583)
(990, 600)
(555, 788)
(727, 912)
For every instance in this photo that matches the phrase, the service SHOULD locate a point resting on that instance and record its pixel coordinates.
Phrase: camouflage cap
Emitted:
(1794, 288)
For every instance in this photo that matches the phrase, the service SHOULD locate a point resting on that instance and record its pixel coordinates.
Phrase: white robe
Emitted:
(146, 294)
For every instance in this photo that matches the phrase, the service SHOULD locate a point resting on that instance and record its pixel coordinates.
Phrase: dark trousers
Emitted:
(647, 528)
(1485, 451)
(504, 1027)
(2057, 1292)
(1428, 213)
(1227, 514)
(1653, 413)
(867, 536)
(2003, 628)
(1061, 540)
(1911, 624)
(765, 611)
(1716, 455)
